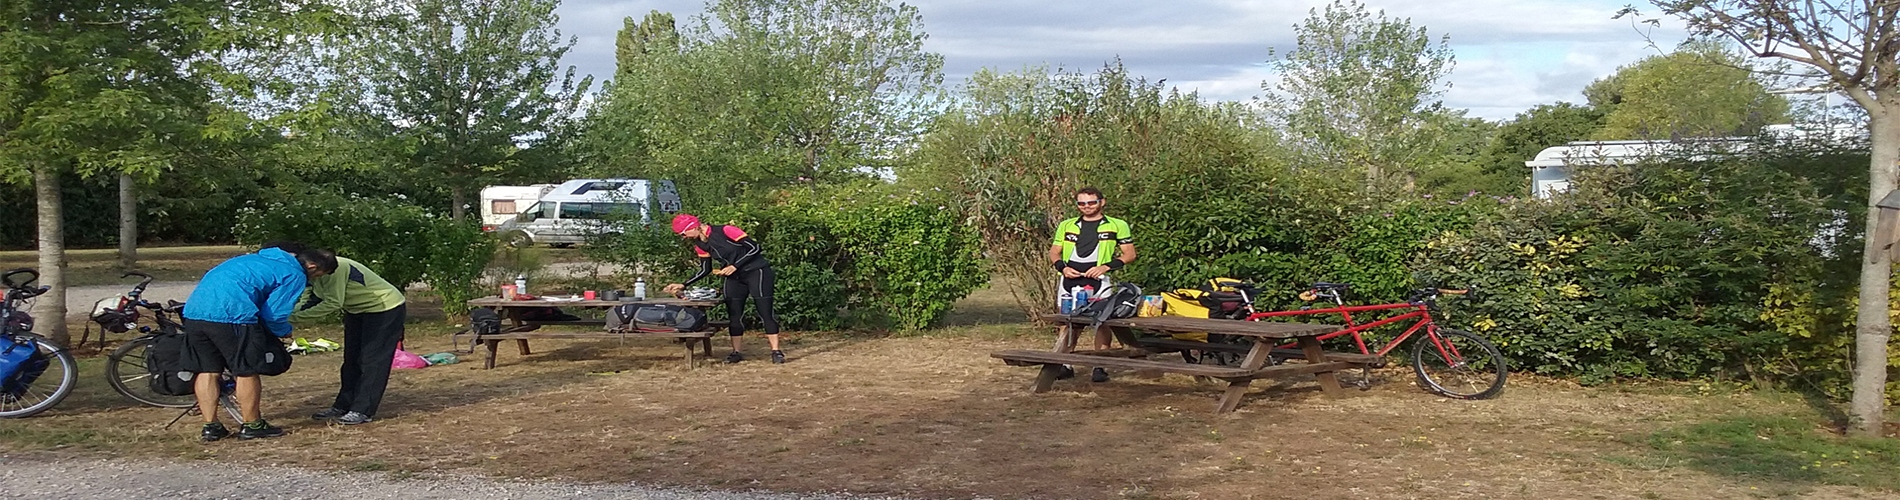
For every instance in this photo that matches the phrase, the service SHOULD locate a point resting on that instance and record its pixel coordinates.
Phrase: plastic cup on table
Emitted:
(589, 295)
(508, 292)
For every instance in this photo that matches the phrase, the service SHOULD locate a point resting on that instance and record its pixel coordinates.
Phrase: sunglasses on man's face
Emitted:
(1089, 203)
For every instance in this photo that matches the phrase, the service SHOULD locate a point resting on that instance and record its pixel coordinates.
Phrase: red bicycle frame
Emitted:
(1420, 310)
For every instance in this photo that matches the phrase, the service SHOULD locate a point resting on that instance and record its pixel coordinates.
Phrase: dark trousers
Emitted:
(369, 348)
(757, 284)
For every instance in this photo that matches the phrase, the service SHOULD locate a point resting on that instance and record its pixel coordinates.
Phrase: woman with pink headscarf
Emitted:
(746, 272)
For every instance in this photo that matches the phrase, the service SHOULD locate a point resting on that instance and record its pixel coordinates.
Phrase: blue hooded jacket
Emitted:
(249, 289)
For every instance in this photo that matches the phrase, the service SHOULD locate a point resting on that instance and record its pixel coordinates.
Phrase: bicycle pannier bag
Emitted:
(165, 361)
(636, 317)
(273, 359)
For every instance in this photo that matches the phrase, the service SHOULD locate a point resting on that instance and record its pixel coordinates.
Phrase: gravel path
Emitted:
(79, 299)
(37, 478)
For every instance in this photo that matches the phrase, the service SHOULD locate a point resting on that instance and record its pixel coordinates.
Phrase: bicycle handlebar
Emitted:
(7, 278)
(1423, 295)
(139, 288)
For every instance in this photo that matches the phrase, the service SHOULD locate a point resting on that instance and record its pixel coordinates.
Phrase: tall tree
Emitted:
(1700, 90)
(656, 34)
(1854, 45)
(467, 84)
(1361, 91)
(94, 86)
(768, 93)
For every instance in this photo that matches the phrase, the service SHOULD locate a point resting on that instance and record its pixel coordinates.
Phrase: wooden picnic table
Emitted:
(520, 329)
(1257, 364)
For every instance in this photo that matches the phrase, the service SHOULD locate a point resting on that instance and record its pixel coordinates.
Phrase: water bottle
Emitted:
(1082, 297)
(1066, 302)
(521, 284)
(640, 288)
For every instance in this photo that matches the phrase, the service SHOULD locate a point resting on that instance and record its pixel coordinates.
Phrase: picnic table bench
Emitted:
(521, 329)
(1258, 364)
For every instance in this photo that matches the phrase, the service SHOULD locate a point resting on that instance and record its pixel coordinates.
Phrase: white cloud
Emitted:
(1512, 54)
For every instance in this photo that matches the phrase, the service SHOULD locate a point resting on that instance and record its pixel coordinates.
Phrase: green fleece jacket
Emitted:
(352, 289)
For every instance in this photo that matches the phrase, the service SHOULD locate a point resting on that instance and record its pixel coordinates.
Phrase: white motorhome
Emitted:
(576, 209)
(502, 203)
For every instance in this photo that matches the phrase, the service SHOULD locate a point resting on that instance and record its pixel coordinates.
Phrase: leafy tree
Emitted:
(767, 93)
(1700, 90)
(1533, 130)
(466, 86)
(95, 87)
(1361, 91)
(655, 34)
(1850, 45)
(1186, 175)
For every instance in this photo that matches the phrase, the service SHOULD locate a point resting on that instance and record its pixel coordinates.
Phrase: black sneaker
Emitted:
(214, 431)
(258, 429)
(778, 357)
(353, 418)
(1099, 375)
(327, 413)
(735, 357)
(1067, 373)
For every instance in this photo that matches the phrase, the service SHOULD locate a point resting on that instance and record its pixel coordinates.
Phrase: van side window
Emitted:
(577, 210)
(502, 207)
(598, 210)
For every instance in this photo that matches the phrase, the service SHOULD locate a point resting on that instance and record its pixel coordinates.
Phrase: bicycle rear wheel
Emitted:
(54, 373)
(1457, 364)
(126, 372)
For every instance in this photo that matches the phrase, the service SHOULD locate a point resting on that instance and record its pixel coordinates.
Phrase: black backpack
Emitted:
(637, 317)
(1120, 300)
(165, 362)
(484, 321)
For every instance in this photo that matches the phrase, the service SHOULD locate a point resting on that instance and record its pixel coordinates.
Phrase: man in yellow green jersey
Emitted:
(1086, 249)
(373, 314)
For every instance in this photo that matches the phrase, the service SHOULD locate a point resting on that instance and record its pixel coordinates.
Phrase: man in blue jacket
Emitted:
(239, 307)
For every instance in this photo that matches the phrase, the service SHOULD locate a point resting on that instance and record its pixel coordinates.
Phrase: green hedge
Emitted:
(1677, 270)
(403, 243)
(869, 255)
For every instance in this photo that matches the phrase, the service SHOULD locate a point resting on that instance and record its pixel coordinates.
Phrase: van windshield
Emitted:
(536, 211)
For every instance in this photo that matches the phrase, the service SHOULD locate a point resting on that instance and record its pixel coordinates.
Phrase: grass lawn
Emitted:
(930, 415)
(100, 266)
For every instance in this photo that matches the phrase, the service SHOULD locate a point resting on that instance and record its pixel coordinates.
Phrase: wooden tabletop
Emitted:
(1221, 326)
(494, 301)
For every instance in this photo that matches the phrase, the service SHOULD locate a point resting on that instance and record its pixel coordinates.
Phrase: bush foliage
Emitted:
(403, 243)
(859, 255)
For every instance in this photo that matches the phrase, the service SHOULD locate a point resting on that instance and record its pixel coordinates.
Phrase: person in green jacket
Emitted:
(373, 314)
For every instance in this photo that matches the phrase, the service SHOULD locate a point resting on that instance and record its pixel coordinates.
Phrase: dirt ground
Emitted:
(933, 416)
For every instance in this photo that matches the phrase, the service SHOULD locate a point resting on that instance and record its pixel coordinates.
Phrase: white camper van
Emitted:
(502, 203)
(575, 209)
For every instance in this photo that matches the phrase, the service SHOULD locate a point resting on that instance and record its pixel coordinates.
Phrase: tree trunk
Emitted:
(128, 223)
(459, 196)
(1873, 327)
(50, 309)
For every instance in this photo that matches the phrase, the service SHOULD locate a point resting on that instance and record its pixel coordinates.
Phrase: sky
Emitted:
(1511, 54)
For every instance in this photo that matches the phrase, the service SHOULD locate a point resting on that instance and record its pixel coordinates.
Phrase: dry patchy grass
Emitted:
(931, 415)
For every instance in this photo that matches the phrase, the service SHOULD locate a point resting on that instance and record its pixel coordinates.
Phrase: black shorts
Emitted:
(213, 347)
(1081, 267)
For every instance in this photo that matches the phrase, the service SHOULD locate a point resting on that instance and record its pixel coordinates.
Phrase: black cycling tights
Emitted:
(758, 285)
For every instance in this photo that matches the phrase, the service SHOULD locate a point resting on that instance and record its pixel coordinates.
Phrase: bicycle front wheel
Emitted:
(126, 372)
(43, 380)
(1457, 364)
